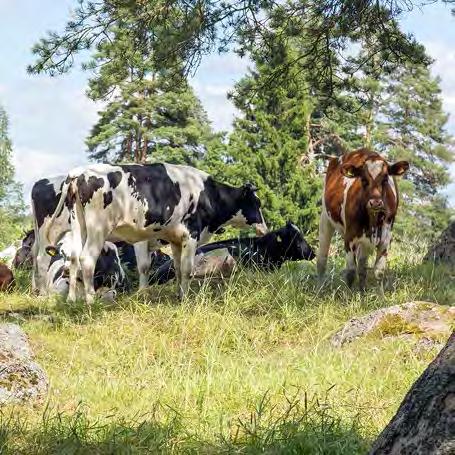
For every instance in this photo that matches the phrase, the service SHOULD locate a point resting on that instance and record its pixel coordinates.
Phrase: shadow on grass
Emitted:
(295, 429)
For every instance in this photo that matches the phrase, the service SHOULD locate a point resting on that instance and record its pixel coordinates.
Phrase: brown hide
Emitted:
(365, 187)
(6, 277)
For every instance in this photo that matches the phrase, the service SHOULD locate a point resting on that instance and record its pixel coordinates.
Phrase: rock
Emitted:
(21, 378)
(443, 251)
(425, 319)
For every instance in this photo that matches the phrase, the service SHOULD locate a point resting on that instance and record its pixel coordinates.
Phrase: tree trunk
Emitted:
(425, 421)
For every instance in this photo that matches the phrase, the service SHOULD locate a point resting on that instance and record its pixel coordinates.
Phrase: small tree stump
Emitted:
(425, 422)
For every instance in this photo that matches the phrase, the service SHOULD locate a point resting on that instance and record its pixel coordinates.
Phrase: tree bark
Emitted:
(425, 422)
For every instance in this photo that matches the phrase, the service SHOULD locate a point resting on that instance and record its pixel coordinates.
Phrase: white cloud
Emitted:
(34, 164)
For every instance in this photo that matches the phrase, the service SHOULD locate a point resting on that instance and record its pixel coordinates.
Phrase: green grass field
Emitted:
(240, 367)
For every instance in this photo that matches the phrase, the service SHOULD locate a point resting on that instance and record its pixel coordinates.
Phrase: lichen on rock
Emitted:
(21, 378)
(423, 319)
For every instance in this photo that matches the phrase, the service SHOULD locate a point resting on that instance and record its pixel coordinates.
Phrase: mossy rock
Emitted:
(420, 319)
(21, 378)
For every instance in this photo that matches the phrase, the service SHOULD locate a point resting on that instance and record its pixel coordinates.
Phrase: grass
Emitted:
(241, 367)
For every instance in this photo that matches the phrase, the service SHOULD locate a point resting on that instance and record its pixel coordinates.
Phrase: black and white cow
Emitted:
(109, 276)
(45, 196)
(178, 204)
(267, 252)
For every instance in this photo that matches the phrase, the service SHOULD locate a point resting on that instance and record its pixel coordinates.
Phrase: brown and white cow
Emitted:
(360, 201)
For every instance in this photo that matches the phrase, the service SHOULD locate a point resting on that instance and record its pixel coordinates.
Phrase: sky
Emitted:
(50, 117)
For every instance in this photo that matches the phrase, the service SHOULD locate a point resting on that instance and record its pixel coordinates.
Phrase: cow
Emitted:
(109, 276)
(24, 257)
(6, 278)
(45, 196)
(360, 201)
(175, 203)
(267, 253)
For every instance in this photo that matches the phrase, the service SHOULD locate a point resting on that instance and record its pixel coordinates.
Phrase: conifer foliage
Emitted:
(11, 203)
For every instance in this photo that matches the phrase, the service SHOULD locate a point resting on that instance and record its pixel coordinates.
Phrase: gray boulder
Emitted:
(21, 378)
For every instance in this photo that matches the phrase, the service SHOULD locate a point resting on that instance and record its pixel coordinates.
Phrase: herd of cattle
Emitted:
(101, 220)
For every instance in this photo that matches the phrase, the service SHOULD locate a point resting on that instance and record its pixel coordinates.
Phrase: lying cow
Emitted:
(24, 255)
(6, 278)
(267, 252)
(45, 196)
(360, 201)
(178, 204)
(109, 276)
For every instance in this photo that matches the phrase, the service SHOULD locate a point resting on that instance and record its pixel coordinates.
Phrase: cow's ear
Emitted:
(351, 171)
(249, 187)
(51, 251)
(399, 168)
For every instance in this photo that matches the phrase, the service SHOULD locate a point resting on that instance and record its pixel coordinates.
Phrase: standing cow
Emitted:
(45, 196)
(360, 201)
(177, 204)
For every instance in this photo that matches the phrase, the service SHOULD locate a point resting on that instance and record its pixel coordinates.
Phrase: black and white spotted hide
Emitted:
(109, 276)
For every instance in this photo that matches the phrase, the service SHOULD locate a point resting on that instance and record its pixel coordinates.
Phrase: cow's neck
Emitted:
(375, 224)
(226, 199)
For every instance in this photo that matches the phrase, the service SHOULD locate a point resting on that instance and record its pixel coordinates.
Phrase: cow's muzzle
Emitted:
(376, 205)
(261, 229)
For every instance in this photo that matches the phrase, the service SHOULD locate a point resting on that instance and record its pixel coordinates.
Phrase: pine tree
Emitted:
(150, 114)
(11, 203)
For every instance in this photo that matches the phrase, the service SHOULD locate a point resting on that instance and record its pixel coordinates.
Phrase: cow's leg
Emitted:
(362, 260)
(380, 265)
(350, 265)
(141, 250)
(177, 258)
(189, 246)
(89, 256)
(325, 236)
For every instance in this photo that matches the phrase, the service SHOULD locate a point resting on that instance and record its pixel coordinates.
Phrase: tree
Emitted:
(178, 31)
(270, 139)
(425, 420)
(150, 121)
(150, 113)
(11, 203)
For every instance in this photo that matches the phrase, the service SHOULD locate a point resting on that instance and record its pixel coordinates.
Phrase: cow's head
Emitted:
(62, 251)
(23, 257)
(293, 244)
(375, 175)
(250, 213)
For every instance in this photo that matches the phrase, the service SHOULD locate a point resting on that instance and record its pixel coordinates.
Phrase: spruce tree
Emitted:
(270, 139)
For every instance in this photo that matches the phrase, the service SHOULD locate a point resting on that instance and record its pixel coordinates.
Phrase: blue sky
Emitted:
(50, 117)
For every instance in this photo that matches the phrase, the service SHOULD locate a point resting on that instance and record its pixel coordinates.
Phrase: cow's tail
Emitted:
(66, 193)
